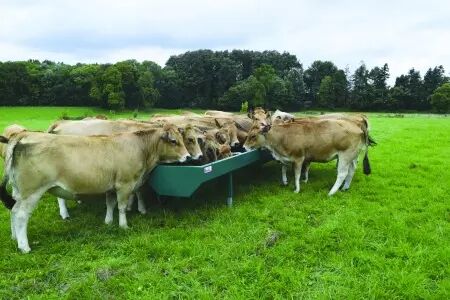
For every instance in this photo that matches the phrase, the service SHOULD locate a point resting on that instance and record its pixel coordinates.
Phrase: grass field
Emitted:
(387, 237)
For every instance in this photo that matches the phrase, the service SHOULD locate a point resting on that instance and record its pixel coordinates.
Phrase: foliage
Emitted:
(386, 238)
(216, 79)
(440, 100)
(244, 107)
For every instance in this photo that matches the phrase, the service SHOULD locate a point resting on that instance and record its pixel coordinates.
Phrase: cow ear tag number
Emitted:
(207, 169)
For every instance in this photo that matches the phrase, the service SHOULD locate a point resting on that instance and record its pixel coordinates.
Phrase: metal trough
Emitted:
(183, 181)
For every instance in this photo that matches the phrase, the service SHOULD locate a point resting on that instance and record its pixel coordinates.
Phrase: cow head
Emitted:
(210, 147)
(256, 137)
(191, 141)
(230, 127)
(172, 146)
(224, 151)
(280, 116)
(260, 116)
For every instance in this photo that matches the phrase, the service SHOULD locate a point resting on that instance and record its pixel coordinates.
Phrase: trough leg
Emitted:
(230, 190)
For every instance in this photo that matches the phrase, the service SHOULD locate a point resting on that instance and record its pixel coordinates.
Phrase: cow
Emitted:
(8, 133)
(203, 123)
(73, 166)
(242, 122)
(213, 150)
(262, 117)
(109, 127)
(314, 141)
(282, 116)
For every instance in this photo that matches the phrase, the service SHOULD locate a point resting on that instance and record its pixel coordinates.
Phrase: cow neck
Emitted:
(150, 141)
(274, 142)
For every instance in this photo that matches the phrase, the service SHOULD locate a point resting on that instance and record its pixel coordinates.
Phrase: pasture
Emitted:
(387, 237)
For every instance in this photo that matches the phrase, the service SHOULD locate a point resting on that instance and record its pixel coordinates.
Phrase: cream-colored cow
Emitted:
(74, 166)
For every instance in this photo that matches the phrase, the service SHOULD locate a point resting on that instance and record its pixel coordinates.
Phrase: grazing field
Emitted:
(387, 237)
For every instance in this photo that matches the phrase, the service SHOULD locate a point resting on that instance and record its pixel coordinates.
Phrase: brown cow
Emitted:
(314, 141)
(203, 123)
(9, 132)
(74, 166)
(260, 116)
(109, 127)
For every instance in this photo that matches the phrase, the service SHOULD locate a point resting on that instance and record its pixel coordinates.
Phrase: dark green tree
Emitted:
(440, 99)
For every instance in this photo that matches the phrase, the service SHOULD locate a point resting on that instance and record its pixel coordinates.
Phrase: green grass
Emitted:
(387, 237)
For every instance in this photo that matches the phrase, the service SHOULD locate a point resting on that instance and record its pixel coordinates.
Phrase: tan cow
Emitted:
(260, 116)
(73, 166)
(203, 123)
(212, 150)
(9, 132)
(109, 127)
(314, 141)
(242, 122)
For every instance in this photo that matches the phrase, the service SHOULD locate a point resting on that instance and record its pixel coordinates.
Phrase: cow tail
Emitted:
(367, 141)
(5, 197)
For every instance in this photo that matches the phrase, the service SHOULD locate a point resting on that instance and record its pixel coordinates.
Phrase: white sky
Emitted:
(404, 34)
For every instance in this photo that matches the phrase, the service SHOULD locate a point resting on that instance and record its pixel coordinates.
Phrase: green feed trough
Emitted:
(183, 181)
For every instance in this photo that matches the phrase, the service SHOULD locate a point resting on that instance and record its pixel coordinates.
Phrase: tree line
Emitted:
(221, 80)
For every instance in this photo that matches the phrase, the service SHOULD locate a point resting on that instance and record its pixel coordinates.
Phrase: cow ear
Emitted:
(181, 130)
(219, 122)
(268, 114)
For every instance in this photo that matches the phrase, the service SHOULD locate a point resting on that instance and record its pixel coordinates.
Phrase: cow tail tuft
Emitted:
(366, 164)
(6, 198)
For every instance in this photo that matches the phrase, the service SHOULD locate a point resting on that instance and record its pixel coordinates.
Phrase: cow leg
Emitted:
(13, 221)
(63, 209)
(342, 171)
(110, 203)
(130, 202)
(283, 174)
(306, 172)
(141, 204)
(22, 215)
(122, 200)
(298, 172)
(351, 173)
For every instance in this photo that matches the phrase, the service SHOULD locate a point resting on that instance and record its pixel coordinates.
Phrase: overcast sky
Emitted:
(404, 34)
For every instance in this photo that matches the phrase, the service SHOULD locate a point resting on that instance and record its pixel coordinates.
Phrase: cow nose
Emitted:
(200, 157)
(188, 157)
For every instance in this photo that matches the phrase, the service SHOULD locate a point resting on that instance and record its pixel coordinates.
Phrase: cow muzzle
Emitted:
(198, 157)
(185, 158)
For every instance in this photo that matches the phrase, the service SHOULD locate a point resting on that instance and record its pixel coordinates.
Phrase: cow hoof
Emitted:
(296, 191)
(108, 222)
(25, 250)
(129, 208)
(124, 227)
(65, 217)
(143, 211)
(305, 180)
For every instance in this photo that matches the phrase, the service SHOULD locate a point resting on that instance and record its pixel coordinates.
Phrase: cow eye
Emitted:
(191, 140)
(173, 141)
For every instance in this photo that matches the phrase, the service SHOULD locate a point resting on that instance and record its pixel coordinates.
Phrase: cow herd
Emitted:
(95, 156)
